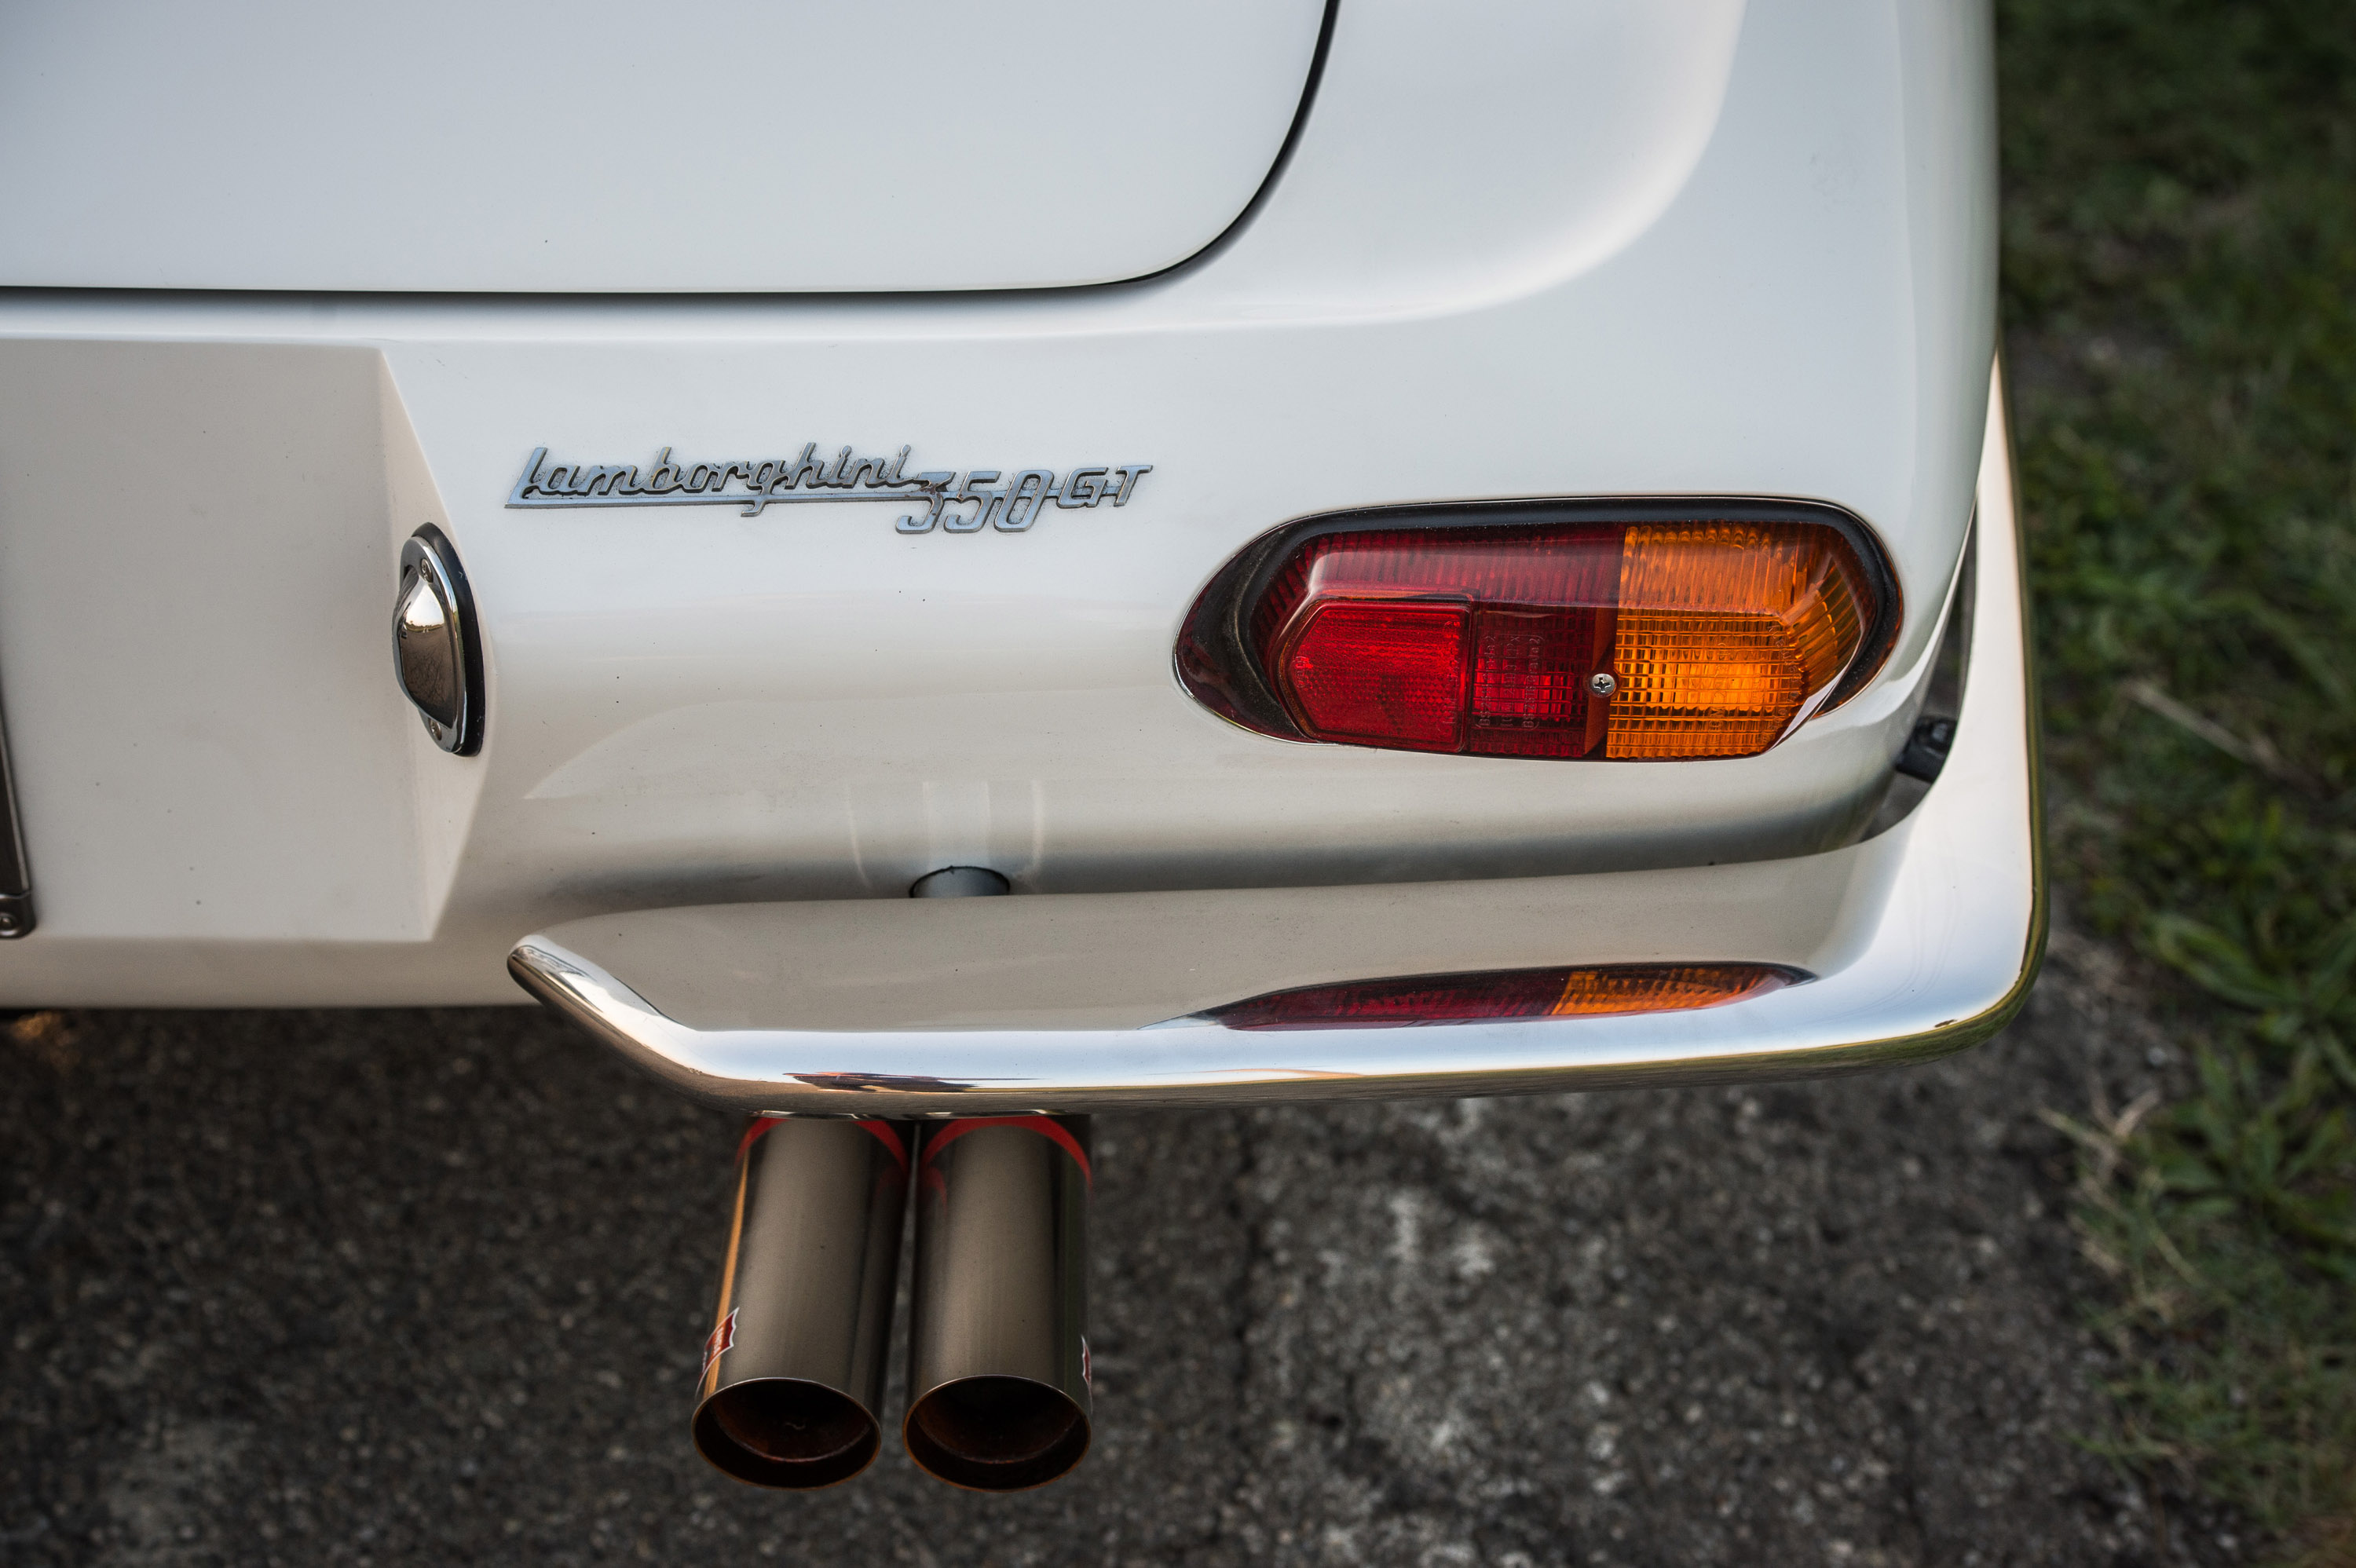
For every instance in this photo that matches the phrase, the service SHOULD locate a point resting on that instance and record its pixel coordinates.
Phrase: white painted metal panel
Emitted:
(689, 706)
(196, 545)
(533, 146)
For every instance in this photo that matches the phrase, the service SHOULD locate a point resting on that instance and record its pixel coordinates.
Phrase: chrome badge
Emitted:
(936, 496)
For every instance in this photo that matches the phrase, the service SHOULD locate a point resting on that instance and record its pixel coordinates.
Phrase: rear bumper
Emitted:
(1924, 940)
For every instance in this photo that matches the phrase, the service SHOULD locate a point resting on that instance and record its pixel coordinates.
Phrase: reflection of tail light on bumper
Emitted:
(1552, 993)
(1692, 629)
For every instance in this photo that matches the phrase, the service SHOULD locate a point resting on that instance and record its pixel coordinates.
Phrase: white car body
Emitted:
(279, 286)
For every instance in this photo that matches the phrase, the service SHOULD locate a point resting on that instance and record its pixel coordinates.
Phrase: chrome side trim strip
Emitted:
(1941, 935)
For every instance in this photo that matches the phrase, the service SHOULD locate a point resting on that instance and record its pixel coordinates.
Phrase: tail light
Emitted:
(1697, 630)
(1508, 994)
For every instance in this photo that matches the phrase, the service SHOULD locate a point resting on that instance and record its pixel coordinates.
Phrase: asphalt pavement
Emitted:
(429, 1287)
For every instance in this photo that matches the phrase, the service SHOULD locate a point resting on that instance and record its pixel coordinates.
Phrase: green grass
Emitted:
(2179, 295)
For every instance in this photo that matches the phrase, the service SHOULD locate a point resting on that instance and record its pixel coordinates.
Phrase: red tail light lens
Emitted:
(1508, 994)
(1515, 652)
(1382, 675)
(1627, 639)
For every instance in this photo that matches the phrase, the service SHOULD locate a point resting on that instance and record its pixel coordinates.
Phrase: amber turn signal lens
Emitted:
(1634, 640)
(1728, 634)
(1496, 994)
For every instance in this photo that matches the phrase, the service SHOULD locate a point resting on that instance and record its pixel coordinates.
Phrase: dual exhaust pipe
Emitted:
(792, 1391)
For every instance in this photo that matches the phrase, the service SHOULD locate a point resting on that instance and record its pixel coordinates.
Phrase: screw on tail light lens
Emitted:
(1675, 633)
(1554, 993)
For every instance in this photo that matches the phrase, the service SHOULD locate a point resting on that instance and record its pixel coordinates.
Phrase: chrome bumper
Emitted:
(1924, 938)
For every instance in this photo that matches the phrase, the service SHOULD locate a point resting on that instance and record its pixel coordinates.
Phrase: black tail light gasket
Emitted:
(1217, 665)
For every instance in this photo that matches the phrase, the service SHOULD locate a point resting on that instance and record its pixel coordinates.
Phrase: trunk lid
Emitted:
(704, 145)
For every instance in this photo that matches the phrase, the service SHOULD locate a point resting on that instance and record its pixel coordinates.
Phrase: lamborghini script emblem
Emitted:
(937, 496)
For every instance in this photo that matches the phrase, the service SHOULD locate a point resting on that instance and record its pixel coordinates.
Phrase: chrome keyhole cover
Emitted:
(437, 643)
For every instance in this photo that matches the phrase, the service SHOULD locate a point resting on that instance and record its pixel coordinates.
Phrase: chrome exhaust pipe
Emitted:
(793, 1373)
(998, 1358)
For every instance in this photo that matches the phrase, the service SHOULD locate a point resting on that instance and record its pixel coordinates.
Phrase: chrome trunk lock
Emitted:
(437, 646)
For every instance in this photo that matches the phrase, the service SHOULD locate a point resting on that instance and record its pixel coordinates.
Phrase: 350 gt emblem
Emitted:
(938, 495)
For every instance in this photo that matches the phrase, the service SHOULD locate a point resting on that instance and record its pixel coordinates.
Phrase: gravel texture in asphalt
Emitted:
(429, 1287)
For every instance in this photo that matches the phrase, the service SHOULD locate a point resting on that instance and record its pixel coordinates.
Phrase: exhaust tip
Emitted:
(786, 1432)
(996, 1433)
